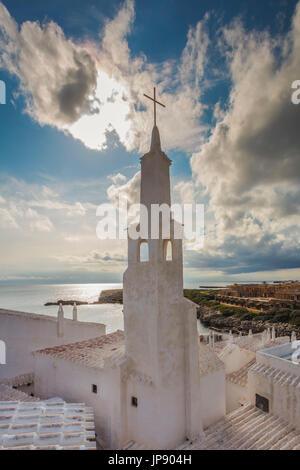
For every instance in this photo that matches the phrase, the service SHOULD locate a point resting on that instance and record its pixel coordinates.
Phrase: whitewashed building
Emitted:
(238, 355)
(270, 417)
(22, 333)
(156, 385)
(274, 382)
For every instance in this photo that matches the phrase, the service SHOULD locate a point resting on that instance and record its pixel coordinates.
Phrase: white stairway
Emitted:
(247, 428)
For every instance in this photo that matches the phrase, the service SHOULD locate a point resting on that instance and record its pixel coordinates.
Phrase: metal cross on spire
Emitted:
(155, 102)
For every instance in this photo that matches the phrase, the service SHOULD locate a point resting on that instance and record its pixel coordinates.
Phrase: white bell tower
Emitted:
(161, 338)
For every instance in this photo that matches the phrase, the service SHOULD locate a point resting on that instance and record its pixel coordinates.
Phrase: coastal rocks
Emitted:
(214, 319)
(66, 302)
(113, 296)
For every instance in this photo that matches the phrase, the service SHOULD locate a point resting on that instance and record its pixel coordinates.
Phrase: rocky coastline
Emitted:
(216, 321)
(113, 296)
(209, 317)
(65, 302)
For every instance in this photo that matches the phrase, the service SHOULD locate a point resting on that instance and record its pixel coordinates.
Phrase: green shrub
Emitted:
(226, 312)
(239, 312)
(295, 321)
(264, 317)
(248, 316)
(198, 296)
(295, 314)
(282, 315)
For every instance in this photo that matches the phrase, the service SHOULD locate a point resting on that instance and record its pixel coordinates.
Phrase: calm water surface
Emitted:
(32, 297)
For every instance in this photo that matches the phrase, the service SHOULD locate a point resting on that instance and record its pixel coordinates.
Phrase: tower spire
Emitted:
(155, 140)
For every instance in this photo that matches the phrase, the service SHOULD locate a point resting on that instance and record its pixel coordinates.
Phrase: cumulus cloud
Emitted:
(247, 167)
(185, 192)
(129, 191)
(118, 178)
(38, 222)
(96, 257)
(49, 214)
(36, 207)
(89, 90)
(57, 77)
(70, 210)
(250, 165)
(7, 221)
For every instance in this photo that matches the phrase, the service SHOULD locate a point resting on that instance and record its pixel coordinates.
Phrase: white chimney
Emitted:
(60, 321)
(273, 333)
(75, 312)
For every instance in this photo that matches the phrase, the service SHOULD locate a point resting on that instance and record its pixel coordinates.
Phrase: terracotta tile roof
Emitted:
(90, 353)
(10, 394)
(208, 360)
(52, 425)
(240, 377)
(276, 375)
(19, 380)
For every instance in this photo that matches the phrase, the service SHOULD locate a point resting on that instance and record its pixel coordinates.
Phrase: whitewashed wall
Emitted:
(236, 395)
(25, 332)
(73, 383)
(213, 397)
(283, 394)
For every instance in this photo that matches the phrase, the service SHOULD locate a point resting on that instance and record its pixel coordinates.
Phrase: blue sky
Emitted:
(70, 141)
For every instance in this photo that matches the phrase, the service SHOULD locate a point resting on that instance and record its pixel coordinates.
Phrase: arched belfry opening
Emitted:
(143, 252)
(168, 250)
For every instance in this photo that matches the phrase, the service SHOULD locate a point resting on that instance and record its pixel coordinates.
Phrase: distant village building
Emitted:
(289, 290)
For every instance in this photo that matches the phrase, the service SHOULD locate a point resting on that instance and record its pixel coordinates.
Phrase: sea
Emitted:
(32, 297)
